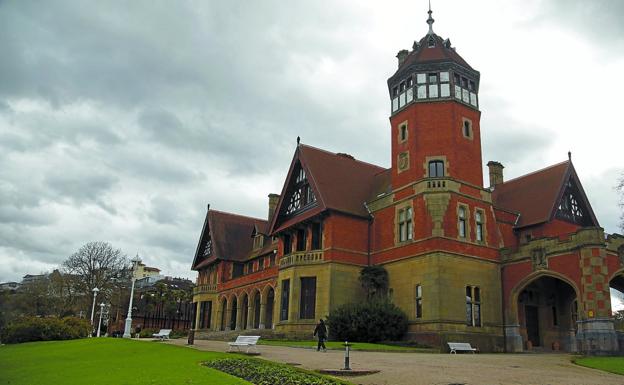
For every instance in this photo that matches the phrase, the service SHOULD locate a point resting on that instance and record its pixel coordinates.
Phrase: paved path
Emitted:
(438, 369)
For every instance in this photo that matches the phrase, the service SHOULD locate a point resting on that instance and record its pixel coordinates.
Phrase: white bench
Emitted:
(461, 347)
(249, 341)
(163, 334)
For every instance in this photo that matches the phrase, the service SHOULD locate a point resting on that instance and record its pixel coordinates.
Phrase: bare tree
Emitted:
(97, 264)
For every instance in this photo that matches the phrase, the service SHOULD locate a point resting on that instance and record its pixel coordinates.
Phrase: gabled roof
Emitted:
(536, 196)
(339, 181)
(230, 235)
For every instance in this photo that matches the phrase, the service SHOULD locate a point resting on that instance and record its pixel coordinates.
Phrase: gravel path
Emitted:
(438, 369)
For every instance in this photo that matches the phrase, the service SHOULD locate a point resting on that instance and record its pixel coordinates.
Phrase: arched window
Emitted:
(436, 169)
(473, 306)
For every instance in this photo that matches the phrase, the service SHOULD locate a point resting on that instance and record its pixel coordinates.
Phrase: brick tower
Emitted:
(435, 114)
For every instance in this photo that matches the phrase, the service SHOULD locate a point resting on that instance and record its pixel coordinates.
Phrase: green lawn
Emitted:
(609, 364)
(363, 346)
(118, 361)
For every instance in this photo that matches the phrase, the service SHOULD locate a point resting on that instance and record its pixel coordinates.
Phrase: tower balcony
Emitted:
(209, 288)
(299, 258)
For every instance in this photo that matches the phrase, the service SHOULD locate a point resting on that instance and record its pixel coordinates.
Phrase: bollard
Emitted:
(191, 337)
(346, 359)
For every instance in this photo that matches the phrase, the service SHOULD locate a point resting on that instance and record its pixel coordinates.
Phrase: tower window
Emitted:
(402, 87)
(436, 169)
(405, 224)
(421, 78)
(410, 82)
(433, 78)
(395, 91)
(461, 221)
(467, 128)
(456, 78)
(403, 132)
(471, 85)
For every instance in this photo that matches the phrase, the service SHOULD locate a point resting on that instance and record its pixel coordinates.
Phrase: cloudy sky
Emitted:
(120, 121)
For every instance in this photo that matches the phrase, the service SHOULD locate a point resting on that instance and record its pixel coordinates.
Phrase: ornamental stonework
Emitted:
(538, 258)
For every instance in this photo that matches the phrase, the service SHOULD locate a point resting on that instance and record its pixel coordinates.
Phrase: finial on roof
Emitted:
(430, 20)
(208, 207)
(298, 140)
(570, 156)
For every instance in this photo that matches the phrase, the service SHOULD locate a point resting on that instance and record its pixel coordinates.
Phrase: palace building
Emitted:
(518, 265)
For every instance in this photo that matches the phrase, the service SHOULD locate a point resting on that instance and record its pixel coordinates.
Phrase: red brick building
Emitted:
(518, 265)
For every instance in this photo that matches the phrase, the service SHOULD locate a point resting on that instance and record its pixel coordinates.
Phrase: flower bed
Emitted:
(267, 373)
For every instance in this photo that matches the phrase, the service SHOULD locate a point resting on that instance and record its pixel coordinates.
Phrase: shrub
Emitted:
(371, 321)
(178, 333)
(28, 329)
(147, 333)
(268, 373)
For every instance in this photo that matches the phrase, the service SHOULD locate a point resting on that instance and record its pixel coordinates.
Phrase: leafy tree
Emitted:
(374, 281)
(371, 321)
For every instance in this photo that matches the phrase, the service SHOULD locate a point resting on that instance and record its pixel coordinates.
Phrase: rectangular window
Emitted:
(479, 223)
(308, 298)
(418, 301)
(433, 78)
(272, 260)
(238, 269)
(406, 227)
(461, 219)
(287, 244)
(473, 306)
(436, 169)
(301, 240)
(317, 236)
(285, 300)
(554, 316)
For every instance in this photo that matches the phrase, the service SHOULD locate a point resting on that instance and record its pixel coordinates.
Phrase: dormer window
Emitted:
(431, 42)
(258, 241)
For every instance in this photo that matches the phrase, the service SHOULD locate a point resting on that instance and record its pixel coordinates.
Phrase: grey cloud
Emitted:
(80, 187)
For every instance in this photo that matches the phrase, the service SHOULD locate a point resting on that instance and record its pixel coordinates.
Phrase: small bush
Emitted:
(267, 373)
(178, 333)
(372, 321)
(28, 329)
(148, 333)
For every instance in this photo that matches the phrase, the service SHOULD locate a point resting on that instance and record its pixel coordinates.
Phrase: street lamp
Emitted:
(127, 331)
(100, 321)
(95, 291)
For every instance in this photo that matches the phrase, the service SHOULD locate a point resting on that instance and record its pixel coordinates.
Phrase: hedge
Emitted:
(28, 329)
(372, 321)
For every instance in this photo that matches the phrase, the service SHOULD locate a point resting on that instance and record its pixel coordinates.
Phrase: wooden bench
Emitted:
(163, 334)
(461, 347)
(248, 341)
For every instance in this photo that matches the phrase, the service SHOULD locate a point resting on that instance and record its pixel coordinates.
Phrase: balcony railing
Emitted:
(209, 288)
(301, 258)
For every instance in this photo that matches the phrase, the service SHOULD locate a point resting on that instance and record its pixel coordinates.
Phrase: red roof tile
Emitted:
(535, 195)
(438, 53)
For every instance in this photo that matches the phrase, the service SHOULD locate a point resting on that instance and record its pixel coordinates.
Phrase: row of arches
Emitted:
(247, 310)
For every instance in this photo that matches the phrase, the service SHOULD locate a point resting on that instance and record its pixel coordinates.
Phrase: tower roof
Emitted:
(432, 48)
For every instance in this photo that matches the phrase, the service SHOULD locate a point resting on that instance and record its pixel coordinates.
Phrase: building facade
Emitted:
(518, 265)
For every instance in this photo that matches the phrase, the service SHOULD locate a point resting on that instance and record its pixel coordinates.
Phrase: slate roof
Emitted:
(536, 196)
(439, 53)
(231, 237)
(340, 182)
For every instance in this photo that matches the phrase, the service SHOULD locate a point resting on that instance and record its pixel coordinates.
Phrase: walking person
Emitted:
(320, 331)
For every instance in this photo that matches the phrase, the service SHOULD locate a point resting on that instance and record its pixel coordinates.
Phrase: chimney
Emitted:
(273, 199)
(402, 55)
(496, 173)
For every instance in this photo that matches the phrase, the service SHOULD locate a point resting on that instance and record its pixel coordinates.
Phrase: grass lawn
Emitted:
(363, 346)
(96, 361)
(609, 364)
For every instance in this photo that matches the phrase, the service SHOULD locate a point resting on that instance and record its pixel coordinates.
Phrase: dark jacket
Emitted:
(320, 330)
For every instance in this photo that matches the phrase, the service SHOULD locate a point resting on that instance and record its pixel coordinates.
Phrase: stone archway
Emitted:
(256, 309)
(223, 313)
(616, 284)
(244, 311)
(545, 309)
(270, 301)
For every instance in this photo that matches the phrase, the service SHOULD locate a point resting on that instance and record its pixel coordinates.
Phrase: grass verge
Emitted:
(608, 364)
(96, 361)
(336, 345)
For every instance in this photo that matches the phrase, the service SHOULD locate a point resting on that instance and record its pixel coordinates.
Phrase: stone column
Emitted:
(239, 315)
(262, 313)
(197, 314)
(228, 316)
(250, 314)
(217, 321)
